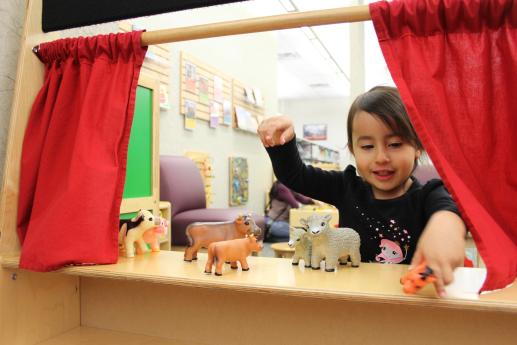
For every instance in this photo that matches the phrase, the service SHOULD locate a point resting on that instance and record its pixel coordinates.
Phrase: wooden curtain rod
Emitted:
(245, 26)
(260, 24)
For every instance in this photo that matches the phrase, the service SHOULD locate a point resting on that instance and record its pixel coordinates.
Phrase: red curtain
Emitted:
(74, 153)
(454, 62)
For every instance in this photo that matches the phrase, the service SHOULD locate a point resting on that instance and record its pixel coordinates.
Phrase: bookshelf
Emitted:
(318, 155)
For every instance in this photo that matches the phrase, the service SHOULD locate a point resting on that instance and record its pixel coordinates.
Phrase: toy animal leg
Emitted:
(209, 263)
(315, 261)
(191, 253)
(307, 259)
(219, 267)
(155, 246)
(233, 265)
(244, 264)
(296, 259)
(130, 248)
(143, 246)
(330, 263)
(355, 257)
(343, 260)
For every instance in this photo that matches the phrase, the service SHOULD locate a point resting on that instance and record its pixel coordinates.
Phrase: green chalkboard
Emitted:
(139, 170)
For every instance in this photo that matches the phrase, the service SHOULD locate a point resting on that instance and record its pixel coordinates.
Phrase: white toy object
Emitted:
(300, 240)
(133, 231)
(332, 244)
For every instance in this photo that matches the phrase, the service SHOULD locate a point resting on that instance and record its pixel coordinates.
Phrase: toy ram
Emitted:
(231, 251)
(133, 231)
(201, 234)
(331, 244)
(302, 244)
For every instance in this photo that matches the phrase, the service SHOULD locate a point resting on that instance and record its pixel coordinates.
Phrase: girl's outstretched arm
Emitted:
(442, 245)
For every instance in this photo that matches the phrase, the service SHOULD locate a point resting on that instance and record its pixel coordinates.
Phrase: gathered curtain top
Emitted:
(402, 18)
(111, 47)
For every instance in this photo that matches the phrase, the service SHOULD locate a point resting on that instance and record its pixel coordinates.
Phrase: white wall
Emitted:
(249, 58)
(12, 16)
(330, 111)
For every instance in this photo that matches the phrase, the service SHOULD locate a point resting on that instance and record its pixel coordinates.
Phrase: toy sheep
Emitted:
(332, 244)
(133, 230)
(232, 251)
(301, 242)
(201, 234)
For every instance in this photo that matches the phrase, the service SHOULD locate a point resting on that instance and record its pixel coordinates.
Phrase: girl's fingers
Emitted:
(447, 274)
(438, 284)
(417, 259)
(284, 136)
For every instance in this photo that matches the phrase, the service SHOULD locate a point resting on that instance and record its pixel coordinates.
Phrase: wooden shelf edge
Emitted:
(201, 281)
(98, 336)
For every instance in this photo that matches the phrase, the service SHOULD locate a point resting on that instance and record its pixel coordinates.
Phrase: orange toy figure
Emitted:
(232, 251)
(201, 234)
(417, 278)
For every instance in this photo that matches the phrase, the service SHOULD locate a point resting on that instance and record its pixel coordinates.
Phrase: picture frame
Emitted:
(238, 181)
(315, 131)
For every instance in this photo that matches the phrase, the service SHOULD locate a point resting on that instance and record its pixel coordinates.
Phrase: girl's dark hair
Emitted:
(384, 102)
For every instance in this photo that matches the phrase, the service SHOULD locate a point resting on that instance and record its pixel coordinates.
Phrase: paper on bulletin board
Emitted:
(215, 111)
(227, 113)
(190, 115)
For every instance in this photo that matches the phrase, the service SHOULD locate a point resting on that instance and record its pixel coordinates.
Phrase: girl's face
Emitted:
(383, 159)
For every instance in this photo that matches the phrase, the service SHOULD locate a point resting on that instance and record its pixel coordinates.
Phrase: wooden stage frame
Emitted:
(158, 299)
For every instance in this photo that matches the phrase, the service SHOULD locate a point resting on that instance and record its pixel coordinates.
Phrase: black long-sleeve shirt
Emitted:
(389, 229)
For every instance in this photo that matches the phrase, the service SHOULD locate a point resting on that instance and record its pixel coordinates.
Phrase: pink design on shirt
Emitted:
(391, 253)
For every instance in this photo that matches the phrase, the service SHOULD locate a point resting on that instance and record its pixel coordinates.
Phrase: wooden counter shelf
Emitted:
(368, 283)
(158, 299)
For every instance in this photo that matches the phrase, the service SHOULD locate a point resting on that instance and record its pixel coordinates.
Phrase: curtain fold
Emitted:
(454, 62)
(74, 153)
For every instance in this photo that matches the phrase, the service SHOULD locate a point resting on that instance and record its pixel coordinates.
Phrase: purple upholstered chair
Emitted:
(181, 184)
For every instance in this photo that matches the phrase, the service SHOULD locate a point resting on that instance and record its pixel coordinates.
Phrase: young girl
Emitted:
(399, 220)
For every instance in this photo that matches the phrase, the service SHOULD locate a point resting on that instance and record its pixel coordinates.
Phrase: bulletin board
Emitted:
(203, 85)
(157, 62)
(204, 164)
(247, 101)
(142, 183)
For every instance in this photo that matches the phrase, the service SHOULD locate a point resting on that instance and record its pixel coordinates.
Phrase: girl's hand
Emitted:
(442, 245)
(276, 130)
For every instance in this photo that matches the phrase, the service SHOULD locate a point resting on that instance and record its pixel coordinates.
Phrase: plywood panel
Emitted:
(231, 317)
(36, 306)
(97, 336)
(33, 307)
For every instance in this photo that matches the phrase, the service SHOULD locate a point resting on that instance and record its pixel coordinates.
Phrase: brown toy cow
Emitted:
(232, 251)
(201, 234)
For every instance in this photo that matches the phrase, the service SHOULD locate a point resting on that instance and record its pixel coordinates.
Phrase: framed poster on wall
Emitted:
(238, 181)
(315, 131)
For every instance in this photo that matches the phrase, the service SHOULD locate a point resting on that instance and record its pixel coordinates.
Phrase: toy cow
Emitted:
(152, 236)
(201, 234)
(133, 231)
(302, 244)
(232, 251)
(332, 244)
